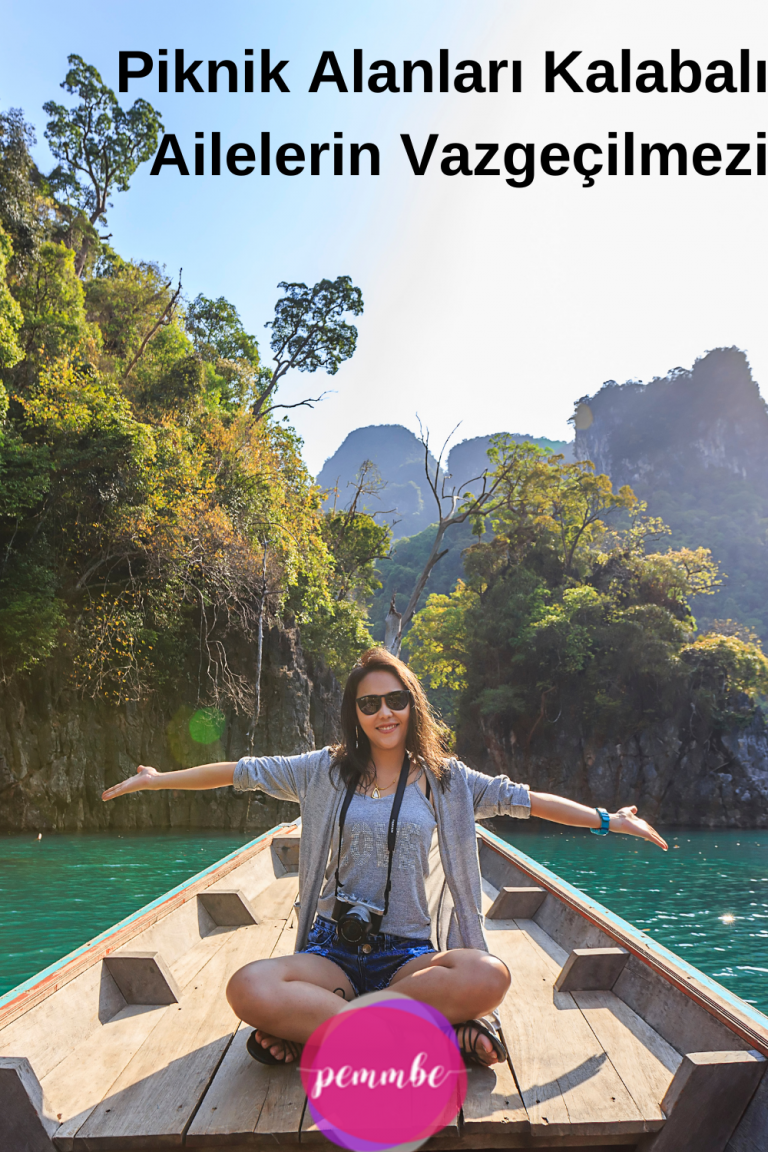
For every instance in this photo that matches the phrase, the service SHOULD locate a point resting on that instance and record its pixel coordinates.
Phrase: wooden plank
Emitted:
(275, 903)
(492, 1103)
(551, 953)
(172, 936)
(442, 1143)
(645, 1061)
(79, 1083)
(567, 1082)
(686, 1024)
(281, 1116)
(287, 848)
(154, 1097)
(248, 1102)
(242, 1089)
(286, 944)
(85, 1004)
(679, 1020)
(152, 1101)
(187, 966)
(486, 1143)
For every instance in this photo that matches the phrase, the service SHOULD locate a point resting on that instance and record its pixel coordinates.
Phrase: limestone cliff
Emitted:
(673, 775)
(59, 751)
(694, 446)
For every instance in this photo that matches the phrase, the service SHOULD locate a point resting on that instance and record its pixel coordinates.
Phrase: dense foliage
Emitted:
(562, 620)
(150, 506)
(400, 570)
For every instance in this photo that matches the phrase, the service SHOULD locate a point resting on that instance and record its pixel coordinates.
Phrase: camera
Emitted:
(356, 920)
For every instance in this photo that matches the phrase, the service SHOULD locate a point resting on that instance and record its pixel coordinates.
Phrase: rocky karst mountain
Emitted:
(398, 455)
(694, 445)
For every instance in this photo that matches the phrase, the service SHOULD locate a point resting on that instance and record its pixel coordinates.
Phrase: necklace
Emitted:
(376, 791)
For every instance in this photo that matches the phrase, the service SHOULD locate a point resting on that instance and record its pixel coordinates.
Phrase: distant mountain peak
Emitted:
(694, 446)
(398, 455)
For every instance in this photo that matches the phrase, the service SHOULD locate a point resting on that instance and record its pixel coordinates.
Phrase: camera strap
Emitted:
(391, 831)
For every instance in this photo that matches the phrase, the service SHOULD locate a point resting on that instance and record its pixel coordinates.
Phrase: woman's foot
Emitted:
(476, 1044)
(284, 1051)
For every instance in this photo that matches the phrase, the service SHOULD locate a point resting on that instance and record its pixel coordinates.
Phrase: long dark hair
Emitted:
(426, 736)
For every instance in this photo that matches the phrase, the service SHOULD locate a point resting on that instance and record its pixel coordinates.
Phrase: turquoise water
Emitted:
(59, 892)
(706, 899)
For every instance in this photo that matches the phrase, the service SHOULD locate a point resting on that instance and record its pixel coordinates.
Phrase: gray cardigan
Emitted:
(468, 796)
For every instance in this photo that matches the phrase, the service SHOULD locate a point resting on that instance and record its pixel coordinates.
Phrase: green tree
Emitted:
(230, 353)
(11, 317)
(98, 145)
(52, 301)
(566, 621)
(725, 670)
(23, 209)
(218, 333)
(438, 642)
(152, 526)
(126, 298)
(456, 507)
(309, 332)
(355, 541)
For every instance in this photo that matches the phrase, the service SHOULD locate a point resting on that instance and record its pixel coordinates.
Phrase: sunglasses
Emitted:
(396, 702)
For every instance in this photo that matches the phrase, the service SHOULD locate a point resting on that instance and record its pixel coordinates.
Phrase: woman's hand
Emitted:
(563, 811)
(626, 820)
(144, 778)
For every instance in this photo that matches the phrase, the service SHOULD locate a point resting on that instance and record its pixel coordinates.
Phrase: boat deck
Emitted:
(586, 1070)
(583, 1064)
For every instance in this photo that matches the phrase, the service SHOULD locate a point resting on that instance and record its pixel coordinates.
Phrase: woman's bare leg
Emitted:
(287, 997)
(462, 983)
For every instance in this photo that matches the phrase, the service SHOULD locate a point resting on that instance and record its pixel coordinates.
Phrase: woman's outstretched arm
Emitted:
(203, 776)
(562, 811)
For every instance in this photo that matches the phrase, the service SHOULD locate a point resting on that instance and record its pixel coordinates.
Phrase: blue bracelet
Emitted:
(605, 823)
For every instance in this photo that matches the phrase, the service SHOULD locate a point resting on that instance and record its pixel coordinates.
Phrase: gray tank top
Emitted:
(364, 860)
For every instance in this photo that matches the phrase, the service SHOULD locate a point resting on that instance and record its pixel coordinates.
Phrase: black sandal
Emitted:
(471, 1052)
(264, 1056)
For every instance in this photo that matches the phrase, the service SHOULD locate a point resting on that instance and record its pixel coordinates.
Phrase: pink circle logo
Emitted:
(384, 1073)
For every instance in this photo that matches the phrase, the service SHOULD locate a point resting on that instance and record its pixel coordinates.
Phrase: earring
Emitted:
(357, 735)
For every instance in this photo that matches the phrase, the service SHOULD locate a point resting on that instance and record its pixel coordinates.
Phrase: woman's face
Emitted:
(387, 729)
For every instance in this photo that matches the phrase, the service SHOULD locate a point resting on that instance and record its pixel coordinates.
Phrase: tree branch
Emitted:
(299, 404)
(167, 311)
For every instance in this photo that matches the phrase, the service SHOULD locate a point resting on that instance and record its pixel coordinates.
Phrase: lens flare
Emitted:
(206, 725)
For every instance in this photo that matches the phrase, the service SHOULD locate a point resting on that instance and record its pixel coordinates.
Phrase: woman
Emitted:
(364, 923)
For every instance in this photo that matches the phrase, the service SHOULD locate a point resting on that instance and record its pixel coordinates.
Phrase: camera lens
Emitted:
(355, 925)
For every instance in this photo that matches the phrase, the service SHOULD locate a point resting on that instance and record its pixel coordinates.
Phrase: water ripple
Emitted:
(702, 898)
(61, 891)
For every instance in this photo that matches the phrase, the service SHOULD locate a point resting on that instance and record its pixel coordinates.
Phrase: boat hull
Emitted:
(614, 1041)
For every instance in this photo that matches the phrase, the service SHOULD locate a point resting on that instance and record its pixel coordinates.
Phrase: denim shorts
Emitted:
(366, 971)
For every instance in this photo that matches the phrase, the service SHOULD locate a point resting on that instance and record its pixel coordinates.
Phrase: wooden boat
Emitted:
(129, 1043)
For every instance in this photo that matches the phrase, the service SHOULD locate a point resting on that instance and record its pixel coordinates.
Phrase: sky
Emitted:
(487, 306)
